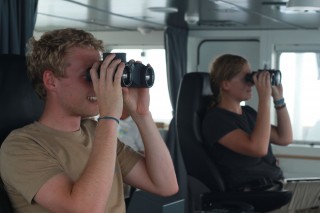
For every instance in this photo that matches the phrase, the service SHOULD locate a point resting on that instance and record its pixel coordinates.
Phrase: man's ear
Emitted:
(49, 80)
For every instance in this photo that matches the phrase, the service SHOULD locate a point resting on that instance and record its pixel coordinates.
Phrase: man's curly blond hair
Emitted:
(49, 51)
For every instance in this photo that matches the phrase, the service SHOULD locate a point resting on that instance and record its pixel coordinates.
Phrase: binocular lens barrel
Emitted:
(134, 75)
(275, 76)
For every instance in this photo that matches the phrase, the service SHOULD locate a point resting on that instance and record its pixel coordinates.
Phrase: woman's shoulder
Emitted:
(217, 114)
(249, 109)
(212, 111)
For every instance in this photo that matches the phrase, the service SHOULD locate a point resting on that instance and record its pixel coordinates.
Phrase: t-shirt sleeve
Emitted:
(127, 158)
(26, 166)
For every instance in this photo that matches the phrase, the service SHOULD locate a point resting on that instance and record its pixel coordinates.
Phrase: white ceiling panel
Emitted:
(115, 15)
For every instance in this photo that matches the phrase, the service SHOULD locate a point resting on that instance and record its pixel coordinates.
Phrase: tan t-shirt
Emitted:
(32, 155)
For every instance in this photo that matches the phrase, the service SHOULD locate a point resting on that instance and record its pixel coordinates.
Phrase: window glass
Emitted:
(160, 105)
(300, 79)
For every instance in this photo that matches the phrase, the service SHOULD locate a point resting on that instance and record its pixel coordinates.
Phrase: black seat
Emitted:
(193, 100)
(19, 105)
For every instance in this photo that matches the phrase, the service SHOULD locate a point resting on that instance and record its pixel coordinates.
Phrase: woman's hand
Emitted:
(277, 92)
(263, 84)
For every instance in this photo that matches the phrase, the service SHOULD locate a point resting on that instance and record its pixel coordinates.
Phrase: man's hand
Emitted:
(108, 87)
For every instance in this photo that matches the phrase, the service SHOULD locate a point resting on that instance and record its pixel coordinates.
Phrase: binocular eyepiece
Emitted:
(134, 74)
(275, 76)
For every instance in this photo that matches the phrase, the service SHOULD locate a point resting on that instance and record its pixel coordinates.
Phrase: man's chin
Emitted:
(93, 113)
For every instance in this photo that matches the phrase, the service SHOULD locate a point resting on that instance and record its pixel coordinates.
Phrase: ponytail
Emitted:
(216, 93)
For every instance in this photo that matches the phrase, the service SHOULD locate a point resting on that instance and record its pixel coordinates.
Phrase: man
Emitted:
(67, 162)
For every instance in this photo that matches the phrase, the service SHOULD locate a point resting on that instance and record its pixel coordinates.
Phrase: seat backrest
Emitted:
(194, 98)
(19, 103)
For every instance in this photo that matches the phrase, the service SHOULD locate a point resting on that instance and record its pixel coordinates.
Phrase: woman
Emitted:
(238, 137)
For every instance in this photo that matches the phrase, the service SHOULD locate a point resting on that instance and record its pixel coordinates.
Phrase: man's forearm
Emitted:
(159, 163)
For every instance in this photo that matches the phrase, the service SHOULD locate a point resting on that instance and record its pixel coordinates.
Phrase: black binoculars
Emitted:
(275, 76)
(134, 74)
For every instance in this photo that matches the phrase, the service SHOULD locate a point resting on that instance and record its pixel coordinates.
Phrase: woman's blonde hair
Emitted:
(225, 67)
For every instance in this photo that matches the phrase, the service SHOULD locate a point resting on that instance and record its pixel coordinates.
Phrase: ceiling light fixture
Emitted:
(191, 18)
(145, 30)
(303, 4)
(163, 9)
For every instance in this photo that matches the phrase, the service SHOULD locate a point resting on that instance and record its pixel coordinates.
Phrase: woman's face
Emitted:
(238, 88)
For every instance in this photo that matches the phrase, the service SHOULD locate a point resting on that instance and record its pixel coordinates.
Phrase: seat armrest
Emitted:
(209, 202)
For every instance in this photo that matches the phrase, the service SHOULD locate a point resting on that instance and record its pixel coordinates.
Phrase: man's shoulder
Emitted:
(26, 131)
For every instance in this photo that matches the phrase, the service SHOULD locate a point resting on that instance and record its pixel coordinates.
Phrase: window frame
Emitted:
(297, 48)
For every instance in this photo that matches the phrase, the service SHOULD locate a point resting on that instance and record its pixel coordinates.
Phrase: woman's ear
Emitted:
(225, 85)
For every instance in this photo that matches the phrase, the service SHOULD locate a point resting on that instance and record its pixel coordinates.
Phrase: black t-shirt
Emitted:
(236, 169)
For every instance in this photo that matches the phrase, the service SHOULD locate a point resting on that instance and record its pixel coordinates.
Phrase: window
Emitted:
(160, 105)
(301, 83)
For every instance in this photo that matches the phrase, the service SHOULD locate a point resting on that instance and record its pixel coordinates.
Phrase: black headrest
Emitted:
(194, 97)
(19, 103)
